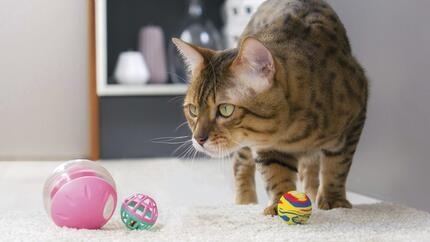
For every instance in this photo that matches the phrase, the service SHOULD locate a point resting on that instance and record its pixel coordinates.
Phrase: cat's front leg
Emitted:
(279, 172)
(309, 167)
(244, 177)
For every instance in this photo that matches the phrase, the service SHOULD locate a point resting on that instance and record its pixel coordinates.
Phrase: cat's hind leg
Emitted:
(334, 171)
(244, 176)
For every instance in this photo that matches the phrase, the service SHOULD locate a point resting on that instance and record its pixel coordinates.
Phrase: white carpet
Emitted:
(195, 204)
(372, 222)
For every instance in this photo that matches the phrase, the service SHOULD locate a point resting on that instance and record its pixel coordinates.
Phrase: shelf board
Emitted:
(105, 89)
(142, 90)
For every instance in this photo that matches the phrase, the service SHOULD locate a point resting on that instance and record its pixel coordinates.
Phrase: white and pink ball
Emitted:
(80, 194)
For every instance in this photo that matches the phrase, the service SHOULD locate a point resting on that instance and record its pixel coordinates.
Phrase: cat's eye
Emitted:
(193, 110)
(226, 110)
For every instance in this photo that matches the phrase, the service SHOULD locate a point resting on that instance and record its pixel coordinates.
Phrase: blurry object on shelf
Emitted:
(236, 14)
(131, 68)
(197, 29)
(151, 45)
(232, 34)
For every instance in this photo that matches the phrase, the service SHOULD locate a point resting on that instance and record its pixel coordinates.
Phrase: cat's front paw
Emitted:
(246, 198)
(271, 210)
(326, 203)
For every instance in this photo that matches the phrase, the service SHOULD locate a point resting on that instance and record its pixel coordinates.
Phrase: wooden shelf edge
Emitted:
(94, 134)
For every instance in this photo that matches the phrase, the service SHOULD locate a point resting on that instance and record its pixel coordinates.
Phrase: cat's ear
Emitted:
(192, 57)
(255, 59)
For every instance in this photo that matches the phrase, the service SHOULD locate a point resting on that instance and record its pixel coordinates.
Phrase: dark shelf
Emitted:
(129, 123)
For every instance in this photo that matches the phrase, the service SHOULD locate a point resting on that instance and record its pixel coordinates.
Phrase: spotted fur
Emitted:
(300, 101)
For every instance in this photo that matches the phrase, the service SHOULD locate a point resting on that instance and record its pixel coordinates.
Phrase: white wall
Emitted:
(391, 38)
(43, 79)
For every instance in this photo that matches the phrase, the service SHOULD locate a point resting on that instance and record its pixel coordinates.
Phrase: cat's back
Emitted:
(321, 75)
(278, 22)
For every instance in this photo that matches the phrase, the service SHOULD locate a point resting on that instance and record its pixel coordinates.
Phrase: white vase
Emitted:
(131, 68)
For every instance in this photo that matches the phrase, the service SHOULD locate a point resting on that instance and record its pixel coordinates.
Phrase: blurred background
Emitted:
(97, 79)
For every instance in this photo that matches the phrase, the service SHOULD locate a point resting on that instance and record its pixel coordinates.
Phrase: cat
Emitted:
(289, 101)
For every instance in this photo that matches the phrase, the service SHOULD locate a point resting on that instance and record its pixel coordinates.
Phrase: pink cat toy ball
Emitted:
(139, 212)
(80, 194)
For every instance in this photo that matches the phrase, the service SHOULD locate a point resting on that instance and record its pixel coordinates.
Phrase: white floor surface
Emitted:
(195, 204)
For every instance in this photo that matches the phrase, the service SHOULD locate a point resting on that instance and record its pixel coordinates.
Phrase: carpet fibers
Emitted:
(370, 222)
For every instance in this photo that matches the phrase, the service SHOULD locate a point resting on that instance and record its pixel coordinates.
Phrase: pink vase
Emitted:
(152, 46)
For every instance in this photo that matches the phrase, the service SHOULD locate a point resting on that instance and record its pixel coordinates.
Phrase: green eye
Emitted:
(226, 110)
(193, 110)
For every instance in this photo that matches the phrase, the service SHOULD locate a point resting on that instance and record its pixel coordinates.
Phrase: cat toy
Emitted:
(139, 212)
(294, 207)
(80, 194)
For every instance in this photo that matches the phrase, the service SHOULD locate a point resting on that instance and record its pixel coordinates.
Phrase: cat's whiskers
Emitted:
(189, 142)
(189, 153)
(219, 160)
(181, 125)
(185, 153)
(194, 156)
(223, 158)
(185, 149)
(178, 76)
(237, 143)
(174, 99)
(171, 140)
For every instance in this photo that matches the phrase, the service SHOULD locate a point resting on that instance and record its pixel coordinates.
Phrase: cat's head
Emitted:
(233, 99)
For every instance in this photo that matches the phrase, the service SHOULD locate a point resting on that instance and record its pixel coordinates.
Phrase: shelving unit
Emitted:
(125, 118)
(106, 89)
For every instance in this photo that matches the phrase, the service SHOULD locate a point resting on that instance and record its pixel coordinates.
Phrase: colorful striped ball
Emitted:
(294, 207)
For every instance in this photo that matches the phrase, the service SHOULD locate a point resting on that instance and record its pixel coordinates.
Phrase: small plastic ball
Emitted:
(294, 207)
(139, 212)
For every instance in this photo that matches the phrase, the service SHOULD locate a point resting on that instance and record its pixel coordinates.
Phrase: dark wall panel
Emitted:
(129, 124)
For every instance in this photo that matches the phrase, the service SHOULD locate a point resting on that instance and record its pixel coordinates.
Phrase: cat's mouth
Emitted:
(215, 150)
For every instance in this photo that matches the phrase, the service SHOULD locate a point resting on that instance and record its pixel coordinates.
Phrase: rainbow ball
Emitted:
(294, 207)
(139, 212)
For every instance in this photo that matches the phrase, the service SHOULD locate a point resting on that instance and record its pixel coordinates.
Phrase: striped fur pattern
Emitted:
(299, 99)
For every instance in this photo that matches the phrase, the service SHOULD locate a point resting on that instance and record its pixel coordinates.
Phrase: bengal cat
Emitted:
(291, 98)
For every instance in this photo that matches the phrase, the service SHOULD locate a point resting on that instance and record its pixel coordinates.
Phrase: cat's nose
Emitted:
(201, 139)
